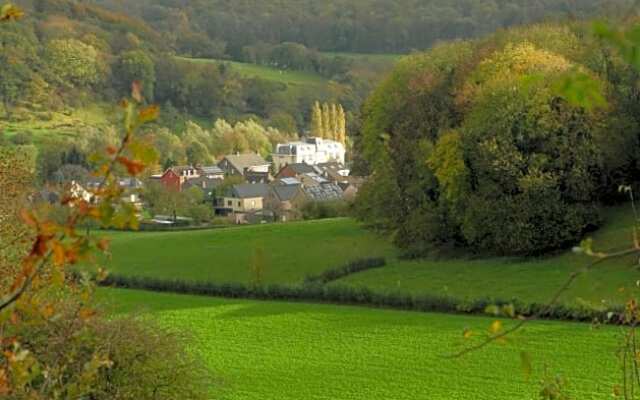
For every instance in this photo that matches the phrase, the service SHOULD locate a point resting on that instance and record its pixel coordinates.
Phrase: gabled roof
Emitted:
(325, 192)
(285, 193)
(243, 161)
(248, 191)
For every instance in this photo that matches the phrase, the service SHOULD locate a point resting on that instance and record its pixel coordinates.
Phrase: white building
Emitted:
(311, 151)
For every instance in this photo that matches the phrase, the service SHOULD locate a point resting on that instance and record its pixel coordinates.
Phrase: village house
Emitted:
(296, 170)
(285, 199)
(311, 151)
(242, 199)
(175, 178)
(244, 165)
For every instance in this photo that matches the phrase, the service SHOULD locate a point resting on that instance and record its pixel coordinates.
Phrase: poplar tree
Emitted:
(317, 129)
(341, 125)
(326, 121)
(333, 123)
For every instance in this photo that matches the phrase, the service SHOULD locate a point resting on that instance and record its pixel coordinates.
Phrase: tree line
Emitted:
(365, 26)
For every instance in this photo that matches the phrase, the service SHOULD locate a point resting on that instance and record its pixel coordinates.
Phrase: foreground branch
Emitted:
(554, 299)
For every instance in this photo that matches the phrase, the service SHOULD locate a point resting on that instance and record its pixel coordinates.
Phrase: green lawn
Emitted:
(274, 350)
(291, 251)
(532, 280)
(272, 74)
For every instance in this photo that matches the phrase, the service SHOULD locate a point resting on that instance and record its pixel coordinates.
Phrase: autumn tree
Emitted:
(317, 127)
(74, 62)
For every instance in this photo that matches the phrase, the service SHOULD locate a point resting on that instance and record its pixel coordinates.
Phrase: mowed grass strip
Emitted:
(290, 251)
(274, 350)
(527, 280)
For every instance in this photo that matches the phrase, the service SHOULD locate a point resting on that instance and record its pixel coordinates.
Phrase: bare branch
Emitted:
(554, 299)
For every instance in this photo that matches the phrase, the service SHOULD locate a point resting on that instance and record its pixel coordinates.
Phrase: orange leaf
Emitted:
(86, 313)
(28, 217)
(48, 311)
(72, 256)
(149, 113)
(112, 150)
(4, 383)
(133, 167)
(58, 254)
(103, 244)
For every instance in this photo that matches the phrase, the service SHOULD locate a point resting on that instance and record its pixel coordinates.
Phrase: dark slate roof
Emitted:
(244, 161)
(325, 192)
(247, 190)
(302, 168)
(285, 193)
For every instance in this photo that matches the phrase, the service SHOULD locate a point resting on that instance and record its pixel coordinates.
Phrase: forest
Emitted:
(361, 26)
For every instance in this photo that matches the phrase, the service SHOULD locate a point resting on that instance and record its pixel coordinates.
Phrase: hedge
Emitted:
(348, 269)
(348, 295)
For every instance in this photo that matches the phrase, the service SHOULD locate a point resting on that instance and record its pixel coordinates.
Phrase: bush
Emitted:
(324, 209)
(80, 355)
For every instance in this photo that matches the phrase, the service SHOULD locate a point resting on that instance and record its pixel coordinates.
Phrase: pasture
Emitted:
(289, 251)
(292, 251)
(527, 280)
(274, 350)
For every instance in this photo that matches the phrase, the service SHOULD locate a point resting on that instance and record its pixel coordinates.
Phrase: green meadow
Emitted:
(287, 252)
(273, 350)
(292, 251)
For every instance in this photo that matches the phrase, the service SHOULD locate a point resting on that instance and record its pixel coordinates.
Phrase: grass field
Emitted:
(273, 350)
(295, 250)
(273, 74)
(291, 251)
(532, 280)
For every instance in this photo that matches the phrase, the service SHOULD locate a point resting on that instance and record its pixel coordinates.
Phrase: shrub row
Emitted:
(146, 227)
(348, 295)
(348, 269)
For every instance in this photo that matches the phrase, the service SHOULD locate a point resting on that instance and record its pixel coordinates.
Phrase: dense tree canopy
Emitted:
(503, 163)
(379, 26)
